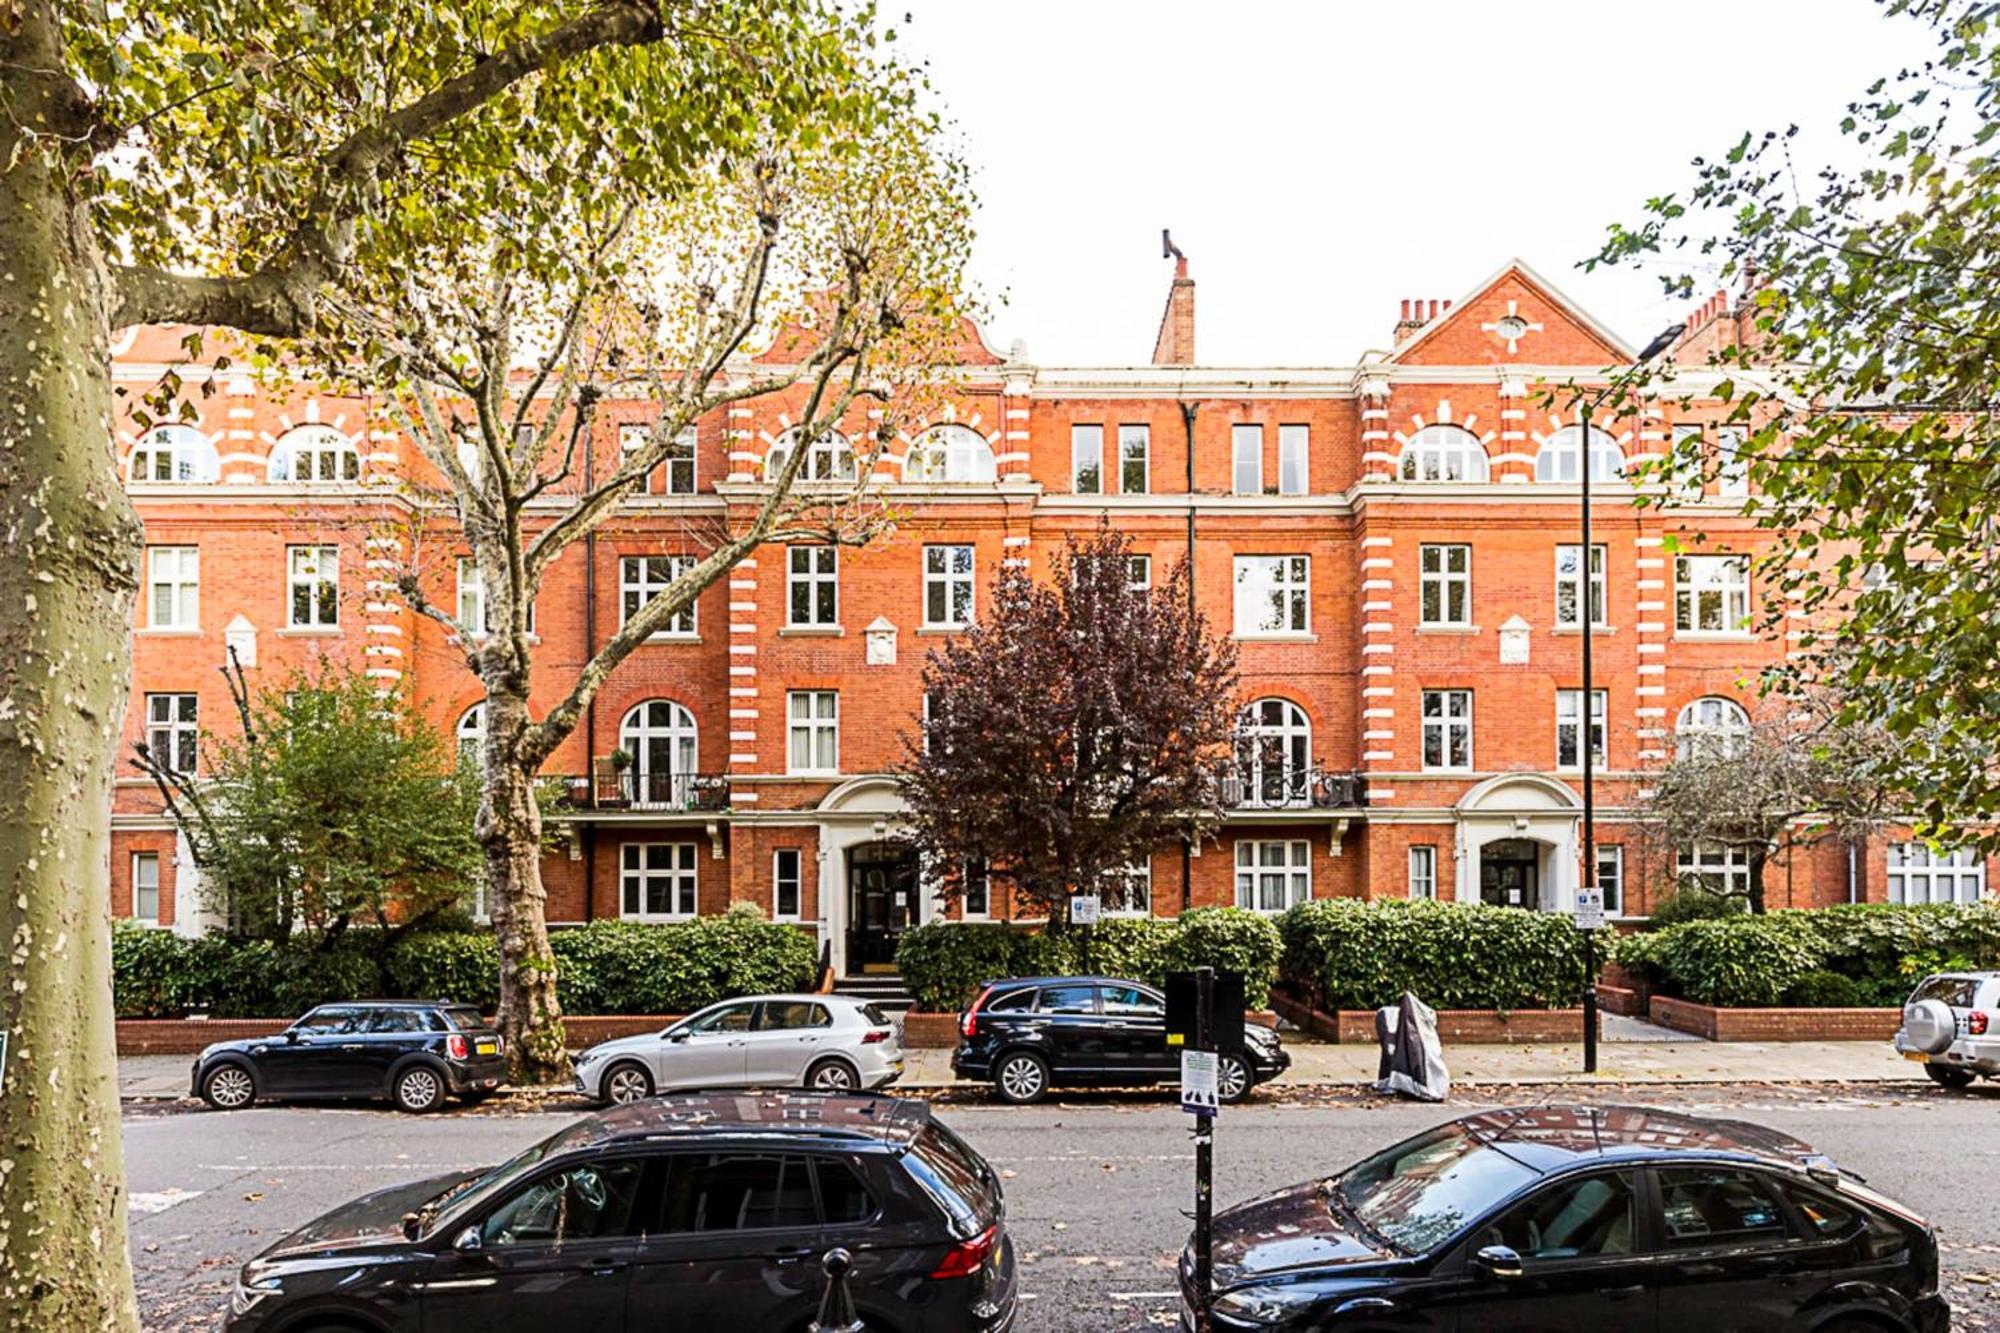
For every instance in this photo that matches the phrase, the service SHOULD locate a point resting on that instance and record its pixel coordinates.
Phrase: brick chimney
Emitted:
(1416, 314)
(1175, 345)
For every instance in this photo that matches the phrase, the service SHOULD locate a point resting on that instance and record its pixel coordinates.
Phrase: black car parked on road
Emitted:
(1027, 1034)
(704, 1211)
(416, 1053)
(1577, 1217)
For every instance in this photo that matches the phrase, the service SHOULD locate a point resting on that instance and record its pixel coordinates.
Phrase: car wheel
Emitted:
(832, 1076)
(1232, 1077)
(626, 1083)
(228, 1087)
(419, 1089)
(1947, 1077)
(1021, 1077)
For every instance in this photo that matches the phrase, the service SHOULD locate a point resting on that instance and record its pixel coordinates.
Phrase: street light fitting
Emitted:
(1662, 340)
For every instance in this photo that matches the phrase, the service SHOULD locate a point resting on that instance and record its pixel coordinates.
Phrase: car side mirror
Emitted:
(1499, 1261)
(675, 1034)
(292, 1037)
(468, 1241)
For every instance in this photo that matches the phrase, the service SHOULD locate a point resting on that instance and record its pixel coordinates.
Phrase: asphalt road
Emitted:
(1095, 1185)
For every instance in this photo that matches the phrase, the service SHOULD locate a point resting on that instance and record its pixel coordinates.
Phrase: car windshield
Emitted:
(480, 1189)
(1420, 1192)
(465, 1018)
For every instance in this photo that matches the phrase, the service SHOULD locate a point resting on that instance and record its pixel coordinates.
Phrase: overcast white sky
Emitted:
(1320, 161)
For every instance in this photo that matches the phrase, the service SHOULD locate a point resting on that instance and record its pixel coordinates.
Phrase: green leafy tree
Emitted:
(333, 805)
(1865, 387)
(271, 169)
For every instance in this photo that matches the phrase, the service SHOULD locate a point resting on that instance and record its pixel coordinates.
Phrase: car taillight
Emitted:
(873, 1035)
(1975, 1022)
(966, 1257)
(454, 1046)
(968, 1026)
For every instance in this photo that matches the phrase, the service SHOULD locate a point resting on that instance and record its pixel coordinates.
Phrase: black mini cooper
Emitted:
(1577, 1217)
(416, 1053)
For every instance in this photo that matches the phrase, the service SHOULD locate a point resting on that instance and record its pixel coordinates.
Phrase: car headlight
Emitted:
(247, 1294)
(1266, 1303)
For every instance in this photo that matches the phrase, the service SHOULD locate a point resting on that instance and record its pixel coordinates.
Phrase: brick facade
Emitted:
(1485, 368)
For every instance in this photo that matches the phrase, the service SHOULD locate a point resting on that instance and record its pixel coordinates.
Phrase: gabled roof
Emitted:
(1616, 348)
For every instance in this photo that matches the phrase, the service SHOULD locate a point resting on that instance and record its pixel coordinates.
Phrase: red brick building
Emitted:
(1393, 543)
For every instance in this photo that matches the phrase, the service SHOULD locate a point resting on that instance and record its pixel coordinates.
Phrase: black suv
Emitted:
(414, 1052)
(1029, 1033)
(700, 1212)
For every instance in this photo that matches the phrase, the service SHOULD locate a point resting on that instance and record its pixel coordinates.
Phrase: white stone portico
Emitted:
(1531, 813)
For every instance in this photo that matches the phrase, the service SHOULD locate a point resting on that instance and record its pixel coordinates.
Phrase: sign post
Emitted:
(1590, 920)
(1204, 1146)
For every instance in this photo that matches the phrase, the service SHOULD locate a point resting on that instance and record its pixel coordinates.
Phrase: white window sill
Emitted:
(944, 629)
(812, 772)
(1447, 629)
(531, 636)
(1576, 631)
(149, 922)
(673, 638)
(308, 632)
(1427, 769)
(170, 631)
(812, 632)
(1714, 635)
(1289, 636)
(657, 919)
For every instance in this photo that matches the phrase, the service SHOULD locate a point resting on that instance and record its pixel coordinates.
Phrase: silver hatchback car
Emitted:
(828, 1042)
(1951, 1022)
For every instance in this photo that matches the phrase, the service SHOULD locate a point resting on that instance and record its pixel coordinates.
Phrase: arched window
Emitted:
(1274, 754)
(1557, 461)
(472, 731)
(950, 453)
(1712, 728)
(830, 458)
(1444, 453)
(175, 453)
(314, 453)
(659, 735)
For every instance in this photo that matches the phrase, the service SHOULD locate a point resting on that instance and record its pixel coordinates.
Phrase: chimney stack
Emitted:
(1175, 344)
(1417, 312)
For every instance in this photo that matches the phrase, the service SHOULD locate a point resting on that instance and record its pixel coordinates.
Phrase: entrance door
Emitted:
(881, 902)
(1508, 872)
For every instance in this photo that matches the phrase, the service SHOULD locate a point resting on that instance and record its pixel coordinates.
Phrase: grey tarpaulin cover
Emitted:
(1412, 1060)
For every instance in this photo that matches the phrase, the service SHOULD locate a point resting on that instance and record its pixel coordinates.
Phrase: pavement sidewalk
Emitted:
(164, 1077)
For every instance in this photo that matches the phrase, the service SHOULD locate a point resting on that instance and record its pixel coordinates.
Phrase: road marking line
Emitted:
(158, 1201)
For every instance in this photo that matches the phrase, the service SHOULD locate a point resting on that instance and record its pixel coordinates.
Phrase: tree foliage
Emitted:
(335, 805)
(1867, 395)
(1079, 722)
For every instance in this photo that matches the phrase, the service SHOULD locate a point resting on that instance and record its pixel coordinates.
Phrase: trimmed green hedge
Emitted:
(608, 967)
(1347, 953)
(1861, 956)
(943, 963)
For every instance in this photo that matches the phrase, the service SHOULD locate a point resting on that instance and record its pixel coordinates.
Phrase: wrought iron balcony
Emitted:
(1288, 787)
(630, 789)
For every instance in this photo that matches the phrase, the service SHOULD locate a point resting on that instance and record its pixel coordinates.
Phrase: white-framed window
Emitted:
(812, 720)
(173, 587)
(473, 612)
(1139, 572)
(1611, 877)
(657, 881)
(665, 747)
(1569, 723)
(1135, 445)
(1443, 453)
(471, 460)
(951, 452)
(1447, 720)
(314, 454)
(787, 884)
(1086, 459)
(1711, 728)
(1128, 891)
(312, 574)
(146, 887)
(1711, 594)
(1569, 587)
(173, 727)
(1424, 871)
(1715, 867)
(1920, 873)
(1273, 594)
(677, 476)
(948, 585)
(812, 585)
(175, 453)
(1683, 475)
(975, 901)
(1557, 460)
(471, 732)
(1273, 754)
(641, 578)
(1246, 471)
(1444, 585)
(828, 458)
(1732, 467)
(1294, 458)
(1273, 875)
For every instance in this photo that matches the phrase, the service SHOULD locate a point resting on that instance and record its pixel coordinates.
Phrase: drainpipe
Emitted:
(1187, 423)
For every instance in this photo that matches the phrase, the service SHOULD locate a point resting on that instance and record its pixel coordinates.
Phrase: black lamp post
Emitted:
(1661, 342)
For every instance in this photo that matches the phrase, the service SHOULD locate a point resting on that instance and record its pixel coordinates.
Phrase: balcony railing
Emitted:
(1288, 787)
(629, 789)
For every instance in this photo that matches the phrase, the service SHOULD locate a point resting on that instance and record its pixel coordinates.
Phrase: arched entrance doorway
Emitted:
(1517, 843)
(1510, 872)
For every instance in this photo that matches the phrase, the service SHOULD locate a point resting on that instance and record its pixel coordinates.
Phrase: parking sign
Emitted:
(1085, 909)
(1590, 909)
(1198, 1082)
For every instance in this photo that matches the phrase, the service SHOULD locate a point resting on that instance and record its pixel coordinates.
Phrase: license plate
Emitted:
(1918, 1056)
(487, 1047)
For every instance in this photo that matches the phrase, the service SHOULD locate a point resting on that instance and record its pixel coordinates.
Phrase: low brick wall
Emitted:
(1713, 1024)
(1621, 1000)
(1479, 1027)
(185, 1036)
